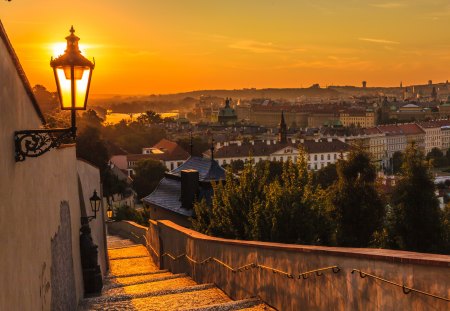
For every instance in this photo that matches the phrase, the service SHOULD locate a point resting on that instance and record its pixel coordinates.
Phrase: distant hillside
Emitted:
(186, 100)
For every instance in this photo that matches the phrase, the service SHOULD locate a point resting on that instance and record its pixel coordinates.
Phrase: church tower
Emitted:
(282, 131)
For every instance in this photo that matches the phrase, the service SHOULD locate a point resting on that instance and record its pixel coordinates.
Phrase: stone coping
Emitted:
(389, 255)
(394, 256)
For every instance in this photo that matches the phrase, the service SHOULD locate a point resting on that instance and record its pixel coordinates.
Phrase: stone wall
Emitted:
(90, 180)
(40, 264)
(129, 230)
(330, 291)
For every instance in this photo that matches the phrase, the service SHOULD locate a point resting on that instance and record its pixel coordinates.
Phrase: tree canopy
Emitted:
(149, 173)
(416, 214)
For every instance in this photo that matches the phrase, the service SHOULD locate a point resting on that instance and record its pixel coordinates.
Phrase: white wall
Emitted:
(90, 180)
(31, 195)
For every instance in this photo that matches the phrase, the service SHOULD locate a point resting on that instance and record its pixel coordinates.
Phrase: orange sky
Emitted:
(154, 46)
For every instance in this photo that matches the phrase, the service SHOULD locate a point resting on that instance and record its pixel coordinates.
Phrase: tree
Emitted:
(397, 160)
(326, 176)
(357, 206)
(149, 173)
(150, 117)
(287, 208)
(91, 147)
(416, 213)
(48, 102)
(436, 158)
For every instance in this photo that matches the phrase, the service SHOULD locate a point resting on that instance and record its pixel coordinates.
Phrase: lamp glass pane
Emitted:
(64, 85)
(81, 86)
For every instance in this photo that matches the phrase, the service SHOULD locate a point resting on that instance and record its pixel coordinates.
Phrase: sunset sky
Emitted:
(156, 46)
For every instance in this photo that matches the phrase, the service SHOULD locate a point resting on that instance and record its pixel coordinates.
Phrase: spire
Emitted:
(191, 145)
(212, 148)
(282, 131)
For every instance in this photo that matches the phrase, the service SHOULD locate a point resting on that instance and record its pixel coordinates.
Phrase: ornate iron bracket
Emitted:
(34, 143)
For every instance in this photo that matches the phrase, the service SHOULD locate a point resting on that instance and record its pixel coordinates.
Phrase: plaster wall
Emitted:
(331, 291)
(32, 195)
(90, 180)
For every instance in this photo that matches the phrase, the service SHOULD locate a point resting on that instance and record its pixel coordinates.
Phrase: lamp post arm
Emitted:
(33, 143)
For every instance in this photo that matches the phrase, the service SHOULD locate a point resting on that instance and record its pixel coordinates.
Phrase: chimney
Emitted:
(189, 187)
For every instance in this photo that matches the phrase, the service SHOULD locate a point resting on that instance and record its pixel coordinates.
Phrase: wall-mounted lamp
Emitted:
(109, 212)
(73, 74)
(95, 201)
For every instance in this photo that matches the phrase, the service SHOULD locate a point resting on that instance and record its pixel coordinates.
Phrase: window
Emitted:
(328, 156)
(224, 162)
(321, 156)
(315, 158)
(171, 166)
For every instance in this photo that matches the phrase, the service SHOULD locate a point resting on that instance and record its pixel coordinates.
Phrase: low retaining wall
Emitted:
(264, 265)
(128, 230)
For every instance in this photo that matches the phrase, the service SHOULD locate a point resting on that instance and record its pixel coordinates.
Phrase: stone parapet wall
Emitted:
(128, 230)
(343, 290)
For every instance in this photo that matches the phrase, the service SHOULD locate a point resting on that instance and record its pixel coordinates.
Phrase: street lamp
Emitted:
(73, 74)
(95, 206)
(109, 212)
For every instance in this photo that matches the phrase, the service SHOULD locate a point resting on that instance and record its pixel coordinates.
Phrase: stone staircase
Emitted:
(135, 283)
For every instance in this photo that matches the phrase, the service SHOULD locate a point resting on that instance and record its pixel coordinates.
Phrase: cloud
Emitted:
(388, 5)
(381, 41)
(331, 62)
(262, 47)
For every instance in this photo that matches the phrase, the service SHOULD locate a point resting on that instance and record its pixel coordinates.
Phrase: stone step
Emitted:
(131, 266)
(260, 307)
(118, 302)
(169, 301)
(137, 274)
(244, 304)
(129, 251)
(166, 283)
(133, 280)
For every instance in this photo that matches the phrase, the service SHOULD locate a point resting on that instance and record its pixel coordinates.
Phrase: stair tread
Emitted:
(243, 304)
(151, 286)
(139, 278)
(164, 300)
(133, 251)
(131, 275)
(130, 266)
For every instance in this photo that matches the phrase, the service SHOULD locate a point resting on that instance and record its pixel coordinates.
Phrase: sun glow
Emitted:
(58, 48)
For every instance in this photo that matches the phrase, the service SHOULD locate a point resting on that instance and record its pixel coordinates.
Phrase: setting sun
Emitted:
(147, 47)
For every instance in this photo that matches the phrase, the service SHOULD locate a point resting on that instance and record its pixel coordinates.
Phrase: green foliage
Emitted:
(126, 212)
(91, 147)
(397, 161)
(285, 208)
(275, 169)
(436, 158)
(446, 229)
(326, 176)
(150, 117)
(149, 173)
(357, 206)
(416, 223)
(237, 166)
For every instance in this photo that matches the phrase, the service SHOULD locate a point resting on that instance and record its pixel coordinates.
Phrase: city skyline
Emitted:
(148, 47)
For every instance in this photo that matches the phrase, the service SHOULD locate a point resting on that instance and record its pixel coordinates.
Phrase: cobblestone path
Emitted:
(135, 283)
